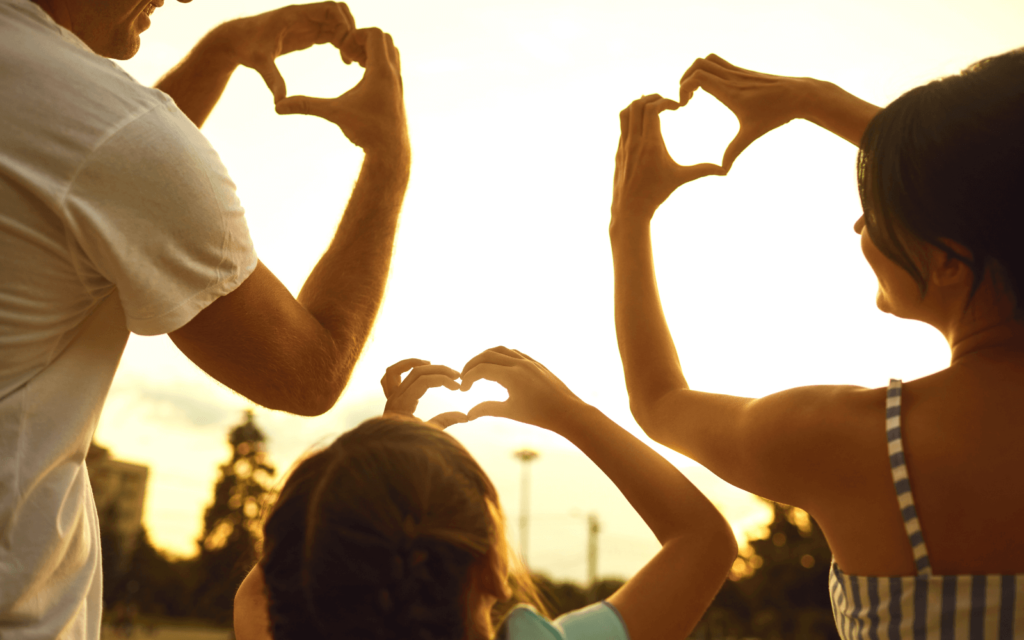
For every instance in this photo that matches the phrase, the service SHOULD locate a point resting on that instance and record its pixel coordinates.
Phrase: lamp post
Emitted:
(525, 456)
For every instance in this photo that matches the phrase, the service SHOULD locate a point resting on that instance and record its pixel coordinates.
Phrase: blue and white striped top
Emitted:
(925, 606)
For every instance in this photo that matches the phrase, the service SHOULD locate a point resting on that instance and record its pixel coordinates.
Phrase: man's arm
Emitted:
(198, 81)
(297, 355)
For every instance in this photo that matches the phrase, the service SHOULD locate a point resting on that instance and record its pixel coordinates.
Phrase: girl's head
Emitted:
(943, 165)
(394, 531)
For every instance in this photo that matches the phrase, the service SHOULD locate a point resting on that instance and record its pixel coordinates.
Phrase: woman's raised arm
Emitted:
(771, 446)
(763, 102)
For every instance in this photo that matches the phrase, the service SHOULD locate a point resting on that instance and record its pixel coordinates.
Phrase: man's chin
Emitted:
(123, 48)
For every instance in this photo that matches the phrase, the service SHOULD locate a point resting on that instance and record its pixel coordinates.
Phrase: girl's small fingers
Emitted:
(497, 355)
(423, 383)
(490, 408)
(449, 418)
(393, 374)
(428, 370)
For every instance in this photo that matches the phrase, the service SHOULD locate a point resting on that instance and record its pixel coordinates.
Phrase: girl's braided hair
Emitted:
(375, 538)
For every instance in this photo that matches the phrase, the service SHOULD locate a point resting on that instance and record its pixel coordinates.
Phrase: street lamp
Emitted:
(525, 456)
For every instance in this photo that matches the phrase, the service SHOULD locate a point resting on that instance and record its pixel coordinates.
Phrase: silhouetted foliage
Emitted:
(229, 546)
(783, 592)
(153, 584)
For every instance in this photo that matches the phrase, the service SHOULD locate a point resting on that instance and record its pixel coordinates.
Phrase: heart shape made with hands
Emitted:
(304, 70)
(699, 132)
(440, 401)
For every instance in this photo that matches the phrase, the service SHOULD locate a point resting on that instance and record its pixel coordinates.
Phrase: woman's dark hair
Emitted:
(376, 536)
(945, 161)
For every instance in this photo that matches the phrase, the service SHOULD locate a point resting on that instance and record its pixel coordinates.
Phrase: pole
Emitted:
(593, 528)
(525, 456)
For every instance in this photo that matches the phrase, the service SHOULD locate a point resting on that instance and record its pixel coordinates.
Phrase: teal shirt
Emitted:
(598, 621)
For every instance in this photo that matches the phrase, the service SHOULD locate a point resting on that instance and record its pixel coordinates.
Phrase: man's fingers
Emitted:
(375, 45)
(652, 111)
(275, 81)
(742, 140)
(714, 85)
(490, 408)
(393, 374)
(449, 418)
(696, 171)
(348, 15)
(304, 105)
(636, 116)
(353, 47)
(717, 59)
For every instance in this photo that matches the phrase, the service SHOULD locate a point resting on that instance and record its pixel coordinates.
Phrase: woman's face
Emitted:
(898, 293)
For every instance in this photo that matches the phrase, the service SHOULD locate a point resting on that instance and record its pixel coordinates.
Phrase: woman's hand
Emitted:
(535, 395)
(404, 395)
(762, 102)
(645, 173)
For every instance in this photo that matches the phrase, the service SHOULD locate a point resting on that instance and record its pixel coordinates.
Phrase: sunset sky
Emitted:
(513, 116)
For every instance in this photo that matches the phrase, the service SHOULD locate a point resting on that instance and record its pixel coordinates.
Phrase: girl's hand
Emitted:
(645, 173)
(535, 395)
(761, 102)
(404, 395)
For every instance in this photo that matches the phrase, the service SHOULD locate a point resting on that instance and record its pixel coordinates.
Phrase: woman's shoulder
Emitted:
(599, 621)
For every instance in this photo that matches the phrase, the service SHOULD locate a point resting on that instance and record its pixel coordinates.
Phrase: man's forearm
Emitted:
(198, 81)
(648, 353)
(345, 289)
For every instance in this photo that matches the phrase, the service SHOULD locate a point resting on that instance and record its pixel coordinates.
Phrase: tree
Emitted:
(229, 546)
(780, 588)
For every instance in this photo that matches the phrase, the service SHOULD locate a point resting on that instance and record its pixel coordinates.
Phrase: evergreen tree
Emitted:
(781, 590)
(229, 546)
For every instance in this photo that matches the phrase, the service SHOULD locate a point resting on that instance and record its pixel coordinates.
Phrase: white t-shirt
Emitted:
(599, 621)
(116, 215)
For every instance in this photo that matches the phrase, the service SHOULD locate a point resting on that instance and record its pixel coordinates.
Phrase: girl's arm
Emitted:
(763, 102)
(669, 595)
(795, 446)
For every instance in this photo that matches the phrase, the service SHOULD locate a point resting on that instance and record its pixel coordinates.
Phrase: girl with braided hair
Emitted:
(394, 532)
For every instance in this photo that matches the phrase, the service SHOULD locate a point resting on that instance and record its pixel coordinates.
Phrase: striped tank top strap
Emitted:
(900, 477)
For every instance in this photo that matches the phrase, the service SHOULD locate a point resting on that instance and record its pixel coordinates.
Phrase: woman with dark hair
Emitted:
(917, 486)
(395, 532)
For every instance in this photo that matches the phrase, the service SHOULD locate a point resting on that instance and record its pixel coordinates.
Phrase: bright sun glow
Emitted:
(513, 114)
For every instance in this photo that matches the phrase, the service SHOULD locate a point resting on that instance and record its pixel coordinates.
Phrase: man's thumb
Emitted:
(274, 80)
(303, 105)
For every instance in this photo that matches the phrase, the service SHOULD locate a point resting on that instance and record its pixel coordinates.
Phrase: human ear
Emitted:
(949, 267)
(496, 582)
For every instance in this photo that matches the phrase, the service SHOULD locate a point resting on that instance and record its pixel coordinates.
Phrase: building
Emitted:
(120, 491)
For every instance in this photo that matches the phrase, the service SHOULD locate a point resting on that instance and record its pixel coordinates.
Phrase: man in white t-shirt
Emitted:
(117, 216)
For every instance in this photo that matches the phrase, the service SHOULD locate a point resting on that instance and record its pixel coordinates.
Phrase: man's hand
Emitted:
(257, 41)
(372, 113)
(645, 173)
(404, 395)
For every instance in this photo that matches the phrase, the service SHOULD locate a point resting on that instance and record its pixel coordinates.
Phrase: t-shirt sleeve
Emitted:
(154, 212)
(599, 621)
